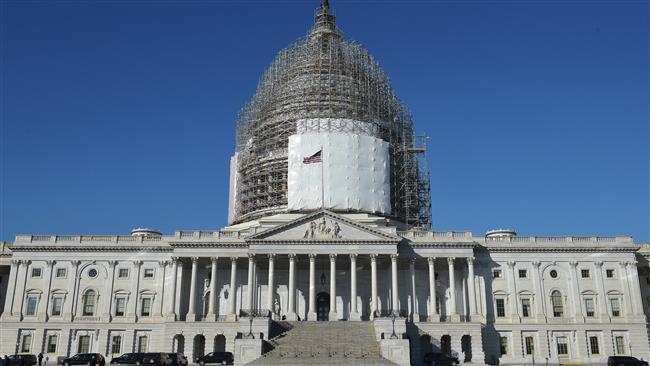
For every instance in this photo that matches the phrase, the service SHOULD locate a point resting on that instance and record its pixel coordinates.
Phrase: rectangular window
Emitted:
(51, 343)
(116, 344)
(503, 345)
(36, 272)
(84, 344)
(593, 345)
(501, 308)
(525, 308)
(562, 346)
(145, 309)
(530, 345)
(26, 345)
(496, 273)
(120, 304)
(123, 273)
(609, 273)
(589, 307)
(142, 344)
(31, 305)
(584, 273)
(148, 273)
(61, 272)
(620, 345)
(523, 273)
(616, 307)
(57, 304)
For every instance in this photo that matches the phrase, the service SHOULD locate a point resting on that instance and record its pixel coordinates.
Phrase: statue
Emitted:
(325, 6)
(322, 226)
(336, 233)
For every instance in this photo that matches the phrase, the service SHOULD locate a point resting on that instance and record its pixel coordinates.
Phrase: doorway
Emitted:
(322, 306)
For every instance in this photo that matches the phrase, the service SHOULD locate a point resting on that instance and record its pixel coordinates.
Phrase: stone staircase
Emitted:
(322, 343)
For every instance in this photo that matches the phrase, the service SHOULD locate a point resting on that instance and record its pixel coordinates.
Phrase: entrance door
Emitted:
(322, 306)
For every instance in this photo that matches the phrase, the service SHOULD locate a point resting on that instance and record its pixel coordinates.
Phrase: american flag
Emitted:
(316, 158)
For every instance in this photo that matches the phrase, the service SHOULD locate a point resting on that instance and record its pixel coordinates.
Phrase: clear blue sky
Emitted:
(117, 114)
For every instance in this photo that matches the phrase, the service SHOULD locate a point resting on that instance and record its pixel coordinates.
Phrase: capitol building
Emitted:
(329, 256)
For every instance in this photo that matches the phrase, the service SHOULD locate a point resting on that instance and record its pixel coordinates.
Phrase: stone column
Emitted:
(21, 285)
(373, 286)
(453, 312)
(162, 272)
(635, 287)
(72, 284)
(627, 299)
(11, 288)
(45, 300)
(291, 312)
(395, 292)
(311, 313)
(433, 311)
(354, 313)
(171, 306)
(135, 287)
(191, 311)
(333, 316)
(232, 297)
(471, 285)
(600, 286)
(575, 289)
(414, 302)
(512, 293)
(270, 293)
(212, 308)
(249, 292)
(110, 284)
(539, 295)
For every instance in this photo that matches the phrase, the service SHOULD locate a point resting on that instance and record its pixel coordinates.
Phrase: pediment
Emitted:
(323, 226)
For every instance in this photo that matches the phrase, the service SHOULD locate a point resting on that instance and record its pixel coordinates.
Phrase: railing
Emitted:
(256, 313)
(402, 313)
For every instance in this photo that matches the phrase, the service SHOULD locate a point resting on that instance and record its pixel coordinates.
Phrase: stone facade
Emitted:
(563, 299)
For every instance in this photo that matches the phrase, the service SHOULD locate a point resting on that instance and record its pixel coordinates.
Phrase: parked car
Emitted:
(177, 359)
(625, 361)
(221, 358)
(22, 359)
(439, 359)
(143, 358)
(88, 359)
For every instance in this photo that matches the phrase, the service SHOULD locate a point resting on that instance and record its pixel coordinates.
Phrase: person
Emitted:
(40, 358)
(6, 361)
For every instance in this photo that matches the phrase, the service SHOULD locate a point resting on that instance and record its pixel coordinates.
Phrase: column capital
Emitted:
(112, 263)
(353, 256)
(573, 264)
(412, 261)
(234, 259)
(137, 262)
(50, 263)
(622, 263)
(214, 260)
(194, 259)
(393, 257)
(251, 257)
(332, 257)
(599, 264)
(470, 260)
(292, 256)
(174, 259)
(431, 260)
(536, 264)
(450, 260)
(373, 257)
(75, 263)
(162, 263)
(312, 256)
(632, 263)
(511, 264)
(271, 257)
(15, 262)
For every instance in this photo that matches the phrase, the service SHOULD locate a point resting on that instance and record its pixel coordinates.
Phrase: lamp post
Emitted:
(393, 316)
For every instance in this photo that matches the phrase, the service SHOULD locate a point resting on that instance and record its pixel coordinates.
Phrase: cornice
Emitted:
(60, 248)
(323, 242)
(443, 244)
(207, 244)
(565, 249)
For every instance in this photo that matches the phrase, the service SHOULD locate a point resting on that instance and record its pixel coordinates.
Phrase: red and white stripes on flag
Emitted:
(316, 158)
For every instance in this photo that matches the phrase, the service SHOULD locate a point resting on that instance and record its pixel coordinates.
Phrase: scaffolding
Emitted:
(316, 79)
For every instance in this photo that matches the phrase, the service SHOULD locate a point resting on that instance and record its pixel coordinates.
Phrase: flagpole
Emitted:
(322, 179)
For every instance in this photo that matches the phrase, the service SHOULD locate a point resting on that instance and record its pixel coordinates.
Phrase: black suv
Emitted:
(141, 358)
(88, 359)
(177, 359)
(222, 358)
(439, 359)
(22, 359)
(625, 361)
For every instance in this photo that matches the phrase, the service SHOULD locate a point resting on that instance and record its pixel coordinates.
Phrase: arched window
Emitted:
(556, 301)
(89, 301)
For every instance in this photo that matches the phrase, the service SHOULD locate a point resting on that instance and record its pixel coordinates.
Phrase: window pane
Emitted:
(123, 273)
(61, 272)
(120, 303)
(525, 308)
(593, 345)
(57, 302)
(503, 341)
(616, 307)
(31, 306)
(142, 344)
(89, 303)
(584, 273)
(84, 344)
(556, 301)
(27, 343)
(36, 272)
(620, 345)
(562, 347)
(501, 308)
(116, 346)
(51, 343)
(146, 307)
(589, 307)
(530, 345)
